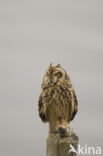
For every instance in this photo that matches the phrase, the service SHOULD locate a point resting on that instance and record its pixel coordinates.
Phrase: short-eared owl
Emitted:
(57, 102)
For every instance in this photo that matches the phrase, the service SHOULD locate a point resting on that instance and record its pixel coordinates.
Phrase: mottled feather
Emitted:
(57, 102)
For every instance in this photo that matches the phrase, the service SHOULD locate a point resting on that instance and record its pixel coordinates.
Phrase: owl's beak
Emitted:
(51, 80)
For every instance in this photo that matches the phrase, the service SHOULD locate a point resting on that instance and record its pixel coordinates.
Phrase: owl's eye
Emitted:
(59, 74)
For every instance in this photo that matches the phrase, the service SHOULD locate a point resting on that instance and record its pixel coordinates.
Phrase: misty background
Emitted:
(33, 34)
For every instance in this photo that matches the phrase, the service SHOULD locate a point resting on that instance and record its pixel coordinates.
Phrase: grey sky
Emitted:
(32, 34)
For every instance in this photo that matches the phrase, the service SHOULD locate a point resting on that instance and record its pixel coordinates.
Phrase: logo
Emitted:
(86, 150)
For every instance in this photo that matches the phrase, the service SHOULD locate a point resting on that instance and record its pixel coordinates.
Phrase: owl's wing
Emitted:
(42, 109)
(74, 105)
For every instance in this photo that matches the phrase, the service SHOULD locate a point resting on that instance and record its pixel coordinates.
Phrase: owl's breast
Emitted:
(58, 104)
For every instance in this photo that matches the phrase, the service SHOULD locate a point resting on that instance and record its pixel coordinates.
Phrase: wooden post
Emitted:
(60, 146)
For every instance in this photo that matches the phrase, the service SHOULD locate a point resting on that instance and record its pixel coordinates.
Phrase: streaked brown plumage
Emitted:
(57, 102)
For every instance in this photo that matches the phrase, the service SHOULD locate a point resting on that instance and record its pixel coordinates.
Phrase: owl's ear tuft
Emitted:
(58, 65)
(51, 64)
(51, 68)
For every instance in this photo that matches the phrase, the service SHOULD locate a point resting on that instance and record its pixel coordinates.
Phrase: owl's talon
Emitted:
(65, 131)
(61, 131)
(70, 131)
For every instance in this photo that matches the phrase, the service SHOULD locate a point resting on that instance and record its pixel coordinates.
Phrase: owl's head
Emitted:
(55, 75)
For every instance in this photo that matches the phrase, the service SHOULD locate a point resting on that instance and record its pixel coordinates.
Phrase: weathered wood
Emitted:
(60, 146)
(53, 145)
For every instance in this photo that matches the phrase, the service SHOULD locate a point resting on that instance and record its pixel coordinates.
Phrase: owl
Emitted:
(57, 102)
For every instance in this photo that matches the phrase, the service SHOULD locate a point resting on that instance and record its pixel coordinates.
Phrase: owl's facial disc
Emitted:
(54, 78)
(59, 77)
(55, 75)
